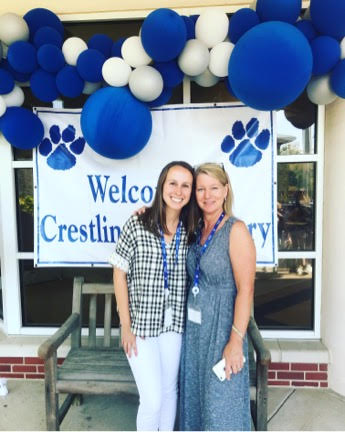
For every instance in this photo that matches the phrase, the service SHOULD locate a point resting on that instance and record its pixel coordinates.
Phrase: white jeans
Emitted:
(155, 371)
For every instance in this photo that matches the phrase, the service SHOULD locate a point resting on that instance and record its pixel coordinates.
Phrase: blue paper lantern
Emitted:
(338, 79)
(279, 10)
(116, 47)
(22, 128)
(163, 34)
(101, 42)
(89, 65)
(50, 58)
(270, 65)
(190, 27)
(22, 57)
(115, 124)
(241, 21)
(328, 17)
(43, 85)
(307, 28)
(41, 17)
(162, 99)
(69, 82)
(326, 54)
(171, 73)
(47, 35)
(6, 82)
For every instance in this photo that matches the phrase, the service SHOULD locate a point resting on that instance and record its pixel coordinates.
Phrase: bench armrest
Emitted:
(262, 353)
(48, 347)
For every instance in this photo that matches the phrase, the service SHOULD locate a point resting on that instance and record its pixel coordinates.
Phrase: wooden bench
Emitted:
(101, 366)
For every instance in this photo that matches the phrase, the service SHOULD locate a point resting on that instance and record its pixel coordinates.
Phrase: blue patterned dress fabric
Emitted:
(206, 403)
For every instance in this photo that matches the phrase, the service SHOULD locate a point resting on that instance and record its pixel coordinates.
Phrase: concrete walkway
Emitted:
(289, 409)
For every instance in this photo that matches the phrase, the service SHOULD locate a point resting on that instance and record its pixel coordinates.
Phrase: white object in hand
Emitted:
(219, 369)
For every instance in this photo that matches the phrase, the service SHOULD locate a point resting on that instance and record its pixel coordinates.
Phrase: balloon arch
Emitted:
(267, 57)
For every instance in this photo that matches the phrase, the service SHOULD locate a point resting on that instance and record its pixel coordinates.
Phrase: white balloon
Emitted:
(194, 58)
(71, 49)
(342, 48)
(146, 83)
(13, 28)
(219, 58)
(206, 79)
(91, 87)
(3, 106)
(133, 52)
(319, 90)
(212, 27)
(15, 97)
(116, 72)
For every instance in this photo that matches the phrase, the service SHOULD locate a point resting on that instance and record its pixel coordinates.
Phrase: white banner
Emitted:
(83, 199)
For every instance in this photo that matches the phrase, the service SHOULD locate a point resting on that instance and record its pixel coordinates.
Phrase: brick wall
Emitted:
(22, 367)
(298, 374)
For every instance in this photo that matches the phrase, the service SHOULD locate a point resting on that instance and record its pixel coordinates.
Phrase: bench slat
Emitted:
(92, 320)
(107, 319)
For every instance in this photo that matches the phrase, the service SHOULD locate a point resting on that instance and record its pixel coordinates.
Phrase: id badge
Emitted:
(168, 317)
(194, 315)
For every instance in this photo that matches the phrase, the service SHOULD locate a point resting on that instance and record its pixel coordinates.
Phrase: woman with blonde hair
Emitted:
(221, 270)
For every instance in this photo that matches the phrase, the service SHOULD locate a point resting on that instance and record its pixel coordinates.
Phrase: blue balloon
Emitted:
(279, 10)
(22, 57)
(240, 22)
(43, 85)
(307, 28)
(21, 127)
(328, 17)
(326, 54)
(89, 65)
(338, 79)
(41, 17)
(18, 76)
(115, 124)
(69, 82)
(116, 48)
(50, 58)
(190, 27)
(6, 82)
(171, 73)
(163, 34)
(47, 35)
(270, 65)
(162, 99)
(102, 43)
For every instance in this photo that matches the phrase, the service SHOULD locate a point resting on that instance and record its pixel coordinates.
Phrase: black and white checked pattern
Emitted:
(138, 253)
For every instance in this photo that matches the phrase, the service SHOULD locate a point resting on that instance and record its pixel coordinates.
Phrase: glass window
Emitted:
(25, 209)
(284, 296)
(296, 206)
(47, 293)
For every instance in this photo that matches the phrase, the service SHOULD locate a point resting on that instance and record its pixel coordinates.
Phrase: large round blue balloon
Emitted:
(279, 10)
(328, 17)
(69, 82)
(89, 65)
(326, 54)
(22, 128)
(50, 58)
(338, 79)
(241, 21)
(41, 17)
(43, 85)
(6, 82)
(115, 124)
(18, 76)
(22, 57)
(163, 34)
(171, 73)
(102, 43)
(270, 65)
(47, 35)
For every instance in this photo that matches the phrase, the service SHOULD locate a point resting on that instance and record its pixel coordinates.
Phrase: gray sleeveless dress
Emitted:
(205, 402)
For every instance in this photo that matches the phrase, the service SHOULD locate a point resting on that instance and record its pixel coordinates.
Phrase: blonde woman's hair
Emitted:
(218, 172)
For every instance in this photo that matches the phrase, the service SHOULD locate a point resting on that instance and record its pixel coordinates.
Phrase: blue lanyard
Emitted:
(164, 254)
(195, 288)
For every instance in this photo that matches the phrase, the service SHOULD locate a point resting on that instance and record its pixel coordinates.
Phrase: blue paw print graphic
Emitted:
(61, 147)
(245, 145)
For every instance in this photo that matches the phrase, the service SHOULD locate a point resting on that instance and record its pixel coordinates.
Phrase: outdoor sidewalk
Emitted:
(289, 409)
